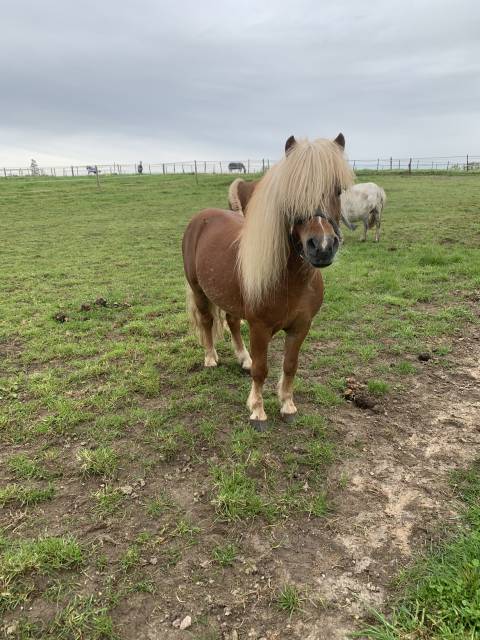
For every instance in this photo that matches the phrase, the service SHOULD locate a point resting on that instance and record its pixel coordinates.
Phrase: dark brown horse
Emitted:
(264, 267)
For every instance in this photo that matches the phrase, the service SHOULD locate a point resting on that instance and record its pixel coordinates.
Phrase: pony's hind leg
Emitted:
(293, 342)
(377, 225)
(206, 320)
(241, 352)
(365, 228)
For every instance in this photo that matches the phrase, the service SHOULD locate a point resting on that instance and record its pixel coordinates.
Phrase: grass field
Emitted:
(132, 486)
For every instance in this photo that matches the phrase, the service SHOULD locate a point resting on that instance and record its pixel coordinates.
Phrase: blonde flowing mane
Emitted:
(295, 187)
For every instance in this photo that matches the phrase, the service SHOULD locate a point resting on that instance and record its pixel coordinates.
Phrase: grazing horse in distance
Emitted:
(364, 201)
(265, 267)
(237, 166)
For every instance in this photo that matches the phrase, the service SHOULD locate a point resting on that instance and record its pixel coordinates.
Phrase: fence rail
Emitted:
(439, 163)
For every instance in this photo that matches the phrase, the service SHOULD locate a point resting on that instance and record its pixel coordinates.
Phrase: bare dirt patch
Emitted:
(395, 498)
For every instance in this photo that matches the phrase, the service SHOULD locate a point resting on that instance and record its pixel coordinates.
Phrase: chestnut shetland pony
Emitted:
(264, 267)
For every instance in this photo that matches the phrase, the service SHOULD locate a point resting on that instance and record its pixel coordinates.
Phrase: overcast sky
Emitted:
(110, 80)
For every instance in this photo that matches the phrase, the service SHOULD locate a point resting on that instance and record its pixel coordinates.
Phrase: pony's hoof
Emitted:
(210, 361)
(259, 425)
(288, 418)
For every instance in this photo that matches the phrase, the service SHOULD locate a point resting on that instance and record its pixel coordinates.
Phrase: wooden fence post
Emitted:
(354, 165)
(448, 163)
(391, 163)
(410, 166)
(378, 162)
(5, 172)
(263, 165)
(196, 176)
(467, 161)
(98, 177)
(73, 173)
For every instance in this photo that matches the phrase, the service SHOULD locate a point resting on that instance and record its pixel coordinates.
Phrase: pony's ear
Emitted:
(340, 140)
(289, 144)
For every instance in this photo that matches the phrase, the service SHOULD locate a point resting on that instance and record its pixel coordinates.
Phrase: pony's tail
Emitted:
(382, 199)
(196, 319)
(233, 197)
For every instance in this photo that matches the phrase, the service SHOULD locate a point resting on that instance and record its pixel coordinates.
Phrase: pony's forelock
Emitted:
(292, 190)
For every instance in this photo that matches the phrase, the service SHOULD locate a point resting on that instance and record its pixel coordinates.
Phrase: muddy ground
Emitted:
(396, 499)
(390, 495)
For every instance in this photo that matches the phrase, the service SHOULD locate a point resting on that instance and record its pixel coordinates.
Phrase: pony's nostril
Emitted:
(312, 244)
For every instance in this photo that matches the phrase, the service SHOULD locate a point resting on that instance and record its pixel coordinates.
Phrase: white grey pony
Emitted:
(364, 201)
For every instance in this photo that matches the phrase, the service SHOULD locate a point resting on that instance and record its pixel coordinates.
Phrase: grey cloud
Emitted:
(233, 78)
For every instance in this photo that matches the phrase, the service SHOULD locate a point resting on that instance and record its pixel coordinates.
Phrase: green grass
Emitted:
(25, 495)
(378, 387)
(116, 393)
(82, 617)
(237, 496)
(98, 462)
(19, 561)
(24, 467)
(131, 558)
(289, 599)
(441, 593)
(107, 501)
(225, 554)
(159, 505)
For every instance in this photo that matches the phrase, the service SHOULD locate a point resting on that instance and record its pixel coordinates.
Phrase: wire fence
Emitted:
(194, 167)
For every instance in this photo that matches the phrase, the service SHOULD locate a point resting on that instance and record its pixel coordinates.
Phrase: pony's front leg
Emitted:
(293, 342)
(259, 338)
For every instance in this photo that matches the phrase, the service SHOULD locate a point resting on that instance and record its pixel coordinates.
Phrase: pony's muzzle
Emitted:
(320, 251)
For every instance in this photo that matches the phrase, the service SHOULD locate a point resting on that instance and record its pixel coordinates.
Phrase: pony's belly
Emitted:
(355, 216)
(225, 294)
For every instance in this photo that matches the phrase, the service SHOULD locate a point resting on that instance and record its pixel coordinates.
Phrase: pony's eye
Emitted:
(338, 191)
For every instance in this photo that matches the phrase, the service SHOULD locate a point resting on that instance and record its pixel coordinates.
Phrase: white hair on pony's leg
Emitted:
(207, 338)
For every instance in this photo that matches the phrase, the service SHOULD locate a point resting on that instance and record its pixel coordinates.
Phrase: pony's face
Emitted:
(317, 240)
